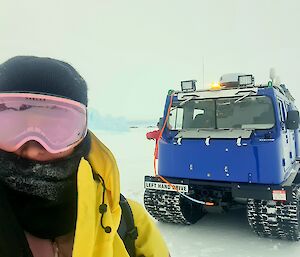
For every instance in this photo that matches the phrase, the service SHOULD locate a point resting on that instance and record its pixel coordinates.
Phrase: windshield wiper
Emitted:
(184, 102)
(243, 97)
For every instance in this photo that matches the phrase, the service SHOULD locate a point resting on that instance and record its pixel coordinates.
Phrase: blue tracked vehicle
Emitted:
(236, 143)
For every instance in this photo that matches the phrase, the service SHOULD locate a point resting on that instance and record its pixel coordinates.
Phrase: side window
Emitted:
(179, 118)
(172, 119)
(175, 119)
(280, 110)
(284, 112)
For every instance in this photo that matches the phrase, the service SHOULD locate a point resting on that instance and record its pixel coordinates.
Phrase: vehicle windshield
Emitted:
(252, 112)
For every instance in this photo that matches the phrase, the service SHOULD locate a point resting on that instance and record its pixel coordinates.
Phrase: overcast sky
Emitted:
(131, 52)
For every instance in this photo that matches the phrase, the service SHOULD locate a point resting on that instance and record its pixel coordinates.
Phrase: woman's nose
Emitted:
(32, 149)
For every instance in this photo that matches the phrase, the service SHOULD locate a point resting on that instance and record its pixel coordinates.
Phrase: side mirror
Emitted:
(292, 121)
(160, 123)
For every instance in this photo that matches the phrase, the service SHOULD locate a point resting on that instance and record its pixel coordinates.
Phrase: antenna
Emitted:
(203, 72)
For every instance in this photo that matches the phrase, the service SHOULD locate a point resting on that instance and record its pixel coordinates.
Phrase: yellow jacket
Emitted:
(90, 238)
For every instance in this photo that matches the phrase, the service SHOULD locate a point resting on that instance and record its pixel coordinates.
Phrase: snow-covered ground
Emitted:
(216, 235)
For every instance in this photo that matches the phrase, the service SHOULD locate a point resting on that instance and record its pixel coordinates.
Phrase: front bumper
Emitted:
(237, 190)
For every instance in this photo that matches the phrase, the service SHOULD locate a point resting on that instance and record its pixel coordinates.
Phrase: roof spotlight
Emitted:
(188, 85)
(245, 80)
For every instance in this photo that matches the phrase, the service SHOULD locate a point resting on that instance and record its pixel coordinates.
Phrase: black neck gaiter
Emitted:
(50, 181)
(42, 195)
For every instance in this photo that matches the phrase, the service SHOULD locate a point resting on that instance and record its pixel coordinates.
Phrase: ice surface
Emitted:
(216, 235)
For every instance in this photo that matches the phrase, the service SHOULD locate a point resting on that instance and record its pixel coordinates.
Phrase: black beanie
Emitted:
(42, 75)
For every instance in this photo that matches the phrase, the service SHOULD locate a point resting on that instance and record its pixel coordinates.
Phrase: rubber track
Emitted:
(275, 219)
(164, 206)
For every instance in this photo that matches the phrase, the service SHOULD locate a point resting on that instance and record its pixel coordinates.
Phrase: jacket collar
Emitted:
(90, 238)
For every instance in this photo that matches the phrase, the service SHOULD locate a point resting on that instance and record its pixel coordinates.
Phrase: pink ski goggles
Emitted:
(58, 124)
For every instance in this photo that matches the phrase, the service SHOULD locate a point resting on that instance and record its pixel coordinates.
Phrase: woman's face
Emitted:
(35, 151)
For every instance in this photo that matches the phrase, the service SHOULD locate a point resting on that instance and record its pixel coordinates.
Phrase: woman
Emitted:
(60, 188)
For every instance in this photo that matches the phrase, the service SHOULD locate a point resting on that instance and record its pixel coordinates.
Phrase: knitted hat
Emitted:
(42, 75)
